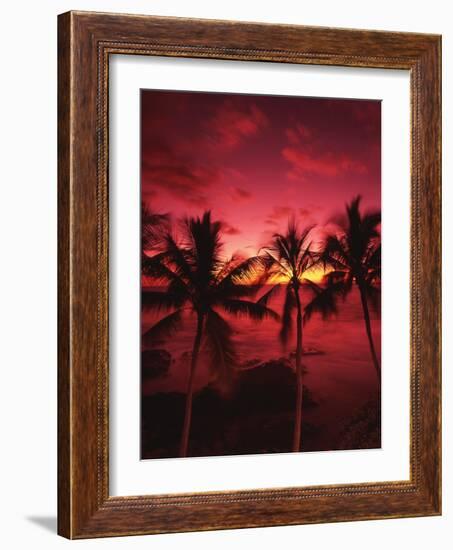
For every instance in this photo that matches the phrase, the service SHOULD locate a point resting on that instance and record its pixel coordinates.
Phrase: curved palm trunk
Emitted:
(189, 395)
(299, 384)
(366, 316)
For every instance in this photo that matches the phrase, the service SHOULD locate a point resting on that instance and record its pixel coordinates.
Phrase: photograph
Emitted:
(206, 354)
(260, 274)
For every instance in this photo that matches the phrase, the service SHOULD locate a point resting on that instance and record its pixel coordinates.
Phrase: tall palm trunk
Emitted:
(189, 395)
(299, 385)
(366, 316)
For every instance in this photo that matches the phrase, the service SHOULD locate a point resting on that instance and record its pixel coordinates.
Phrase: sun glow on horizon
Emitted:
(315, 275)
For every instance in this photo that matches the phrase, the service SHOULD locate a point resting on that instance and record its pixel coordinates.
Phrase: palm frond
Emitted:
(156, 268)
(308, 260)
(335, 276)
(372, 263)
(247, 271)
(281, 247)
(303, 236)
(353, 211)
(228, 265)
(340, 281)
(164, 328)
(203, 236)
(268, 295)
(276, 267)
(361, 229)
(153, 226)
(373, 258)
(156, 300)
(220, 346)
(324, 300)
(253, 310)
(335, 253)
(179, 258)
(370, 222)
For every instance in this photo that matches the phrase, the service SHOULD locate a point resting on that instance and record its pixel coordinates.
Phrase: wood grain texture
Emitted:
(86, 40)
(64, 371)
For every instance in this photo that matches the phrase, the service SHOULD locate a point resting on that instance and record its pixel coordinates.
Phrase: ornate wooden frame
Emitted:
(85, 41)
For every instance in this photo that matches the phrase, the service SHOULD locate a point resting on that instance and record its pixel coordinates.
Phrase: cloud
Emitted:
(228, 229)
(233, 123)
(238, 193)
(308, 156)
(185, 161)
(180, 177)
(232, 173)
(298, 133)
(265, 237)
(280, 212)
(329, 164)
(368, 114)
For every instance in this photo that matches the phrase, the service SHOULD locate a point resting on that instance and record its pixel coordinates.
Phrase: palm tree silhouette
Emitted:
(354, 255)
(197, 280)
(289, 257)
(153, 227)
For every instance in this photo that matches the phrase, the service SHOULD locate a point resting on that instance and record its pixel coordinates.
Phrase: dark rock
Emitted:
(251, 363)
(270, 387)
(363, 430)
(155, 363)
(257, 416)
(307, 351)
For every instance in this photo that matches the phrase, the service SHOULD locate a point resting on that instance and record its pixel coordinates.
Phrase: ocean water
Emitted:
(341, 376)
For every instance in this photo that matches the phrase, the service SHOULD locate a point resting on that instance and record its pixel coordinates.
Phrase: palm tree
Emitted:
(196, 279)
(153, 226)
(289, 257)
(354, 256)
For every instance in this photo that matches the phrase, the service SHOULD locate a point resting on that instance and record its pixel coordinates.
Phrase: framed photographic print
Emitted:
(249, 275)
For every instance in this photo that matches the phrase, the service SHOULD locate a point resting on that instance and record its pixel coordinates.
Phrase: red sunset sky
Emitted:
(256, 160)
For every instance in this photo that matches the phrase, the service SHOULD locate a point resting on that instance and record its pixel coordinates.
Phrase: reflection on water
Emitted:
(341, 377)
